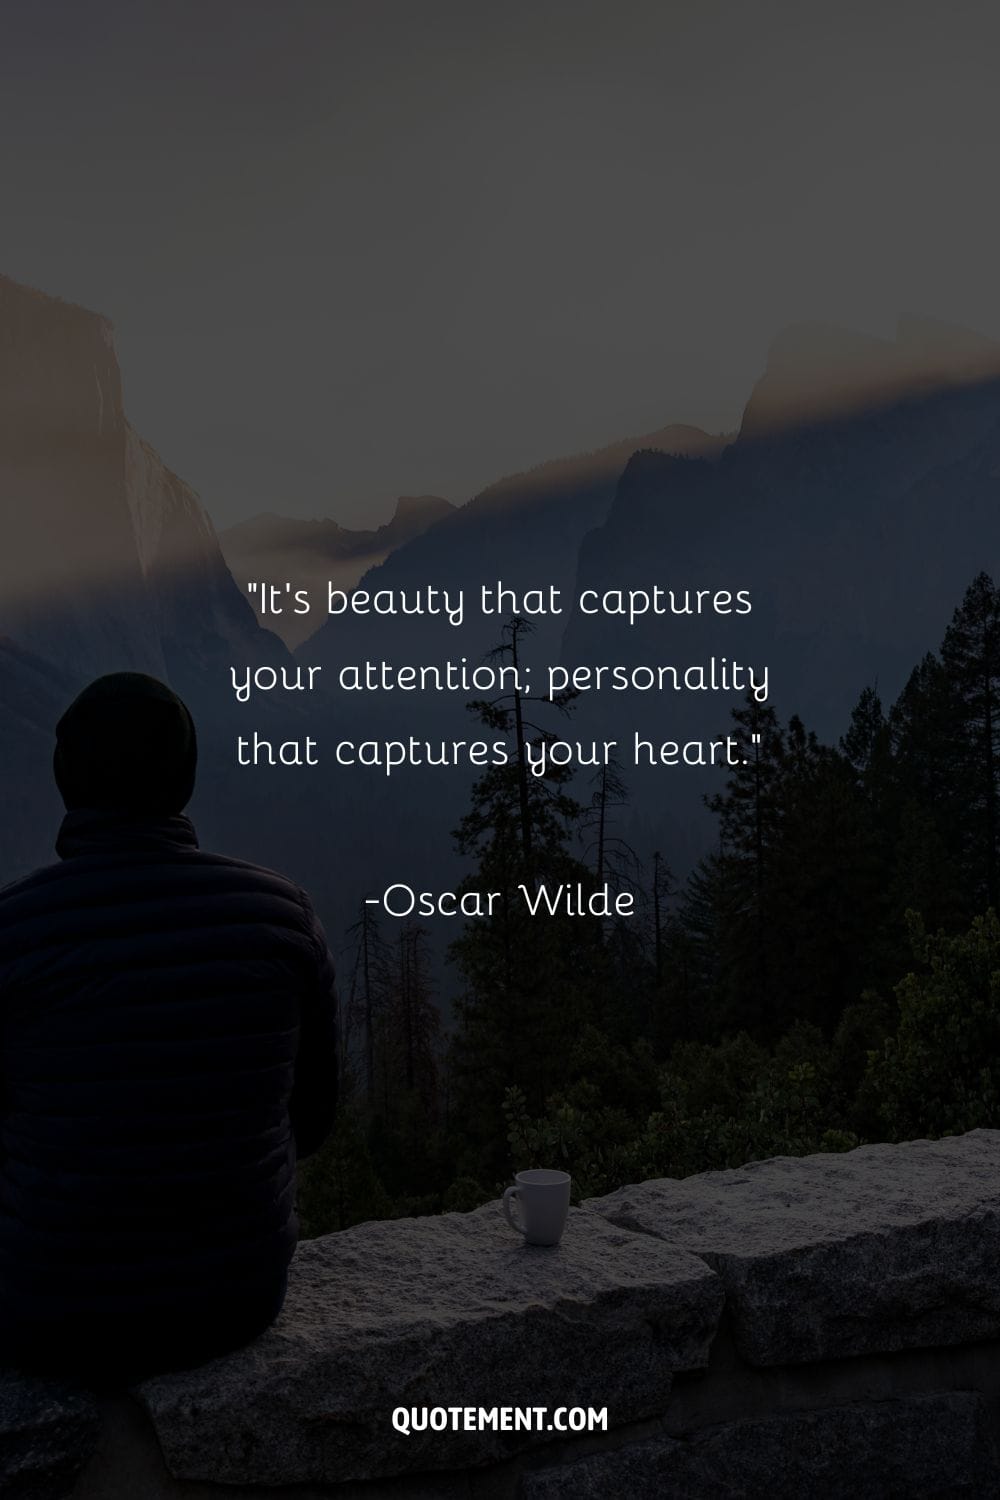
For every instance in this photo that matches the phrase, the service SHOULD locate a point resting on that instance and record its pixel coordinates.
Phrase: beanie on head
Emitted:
(126, 742)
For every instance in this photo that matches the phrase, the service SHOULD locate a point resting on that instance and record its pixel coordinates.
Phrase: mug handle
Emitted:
(511, 1192)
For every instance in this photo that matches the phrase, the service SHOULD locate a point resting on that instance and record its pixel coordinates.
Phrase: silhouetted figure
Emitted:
(167, 1050)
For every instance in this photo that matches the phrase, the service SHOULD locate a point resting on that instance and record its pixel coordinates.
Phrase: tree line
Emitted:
(828, 974)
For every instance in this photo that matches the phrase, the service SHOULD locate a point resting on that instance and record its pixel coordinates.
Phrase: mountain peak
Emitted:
(949, 348)
(820, 371)
(419, 509)
(98, 530)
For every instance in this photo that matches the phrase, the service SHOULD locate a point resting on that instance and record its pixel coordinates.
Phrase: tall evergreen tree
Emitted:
(970, 655)
(749, 813)
(824, 886)
(367, 994)
(866, 748)
(927, 864)
(790, 891)
(529, 981)
(867, 745)
(612, 858)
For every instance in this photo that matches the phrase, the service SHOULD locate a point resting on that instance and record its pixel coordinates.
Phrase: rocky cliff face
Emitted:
(109, 562)
(33, 693)
(818, 372)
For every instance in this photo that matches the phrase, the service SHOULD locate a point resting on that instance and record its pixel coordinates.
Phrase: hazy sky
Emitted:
(359, 249)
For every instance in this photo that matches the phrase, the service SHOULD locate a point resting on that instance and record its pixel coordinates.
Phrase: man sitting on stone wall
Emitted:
(167, 1052)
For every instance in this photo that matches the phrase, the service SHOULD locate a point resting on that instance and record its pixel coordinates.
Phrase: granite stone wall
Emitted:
(825, 1326)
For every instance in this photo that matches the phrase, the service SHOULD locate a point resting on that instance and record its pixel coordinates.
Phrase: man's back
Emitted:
(167, 1048)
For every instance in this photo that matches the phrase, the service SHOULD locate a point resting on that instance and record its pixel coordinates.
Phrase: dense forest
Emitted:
(828, 975)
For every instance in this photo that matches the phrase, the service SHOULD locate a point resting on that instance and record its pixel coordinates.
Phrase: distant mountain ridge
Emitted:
(857, 537)
(822, 372)
(858, 499)
(314, 552)
(311, 553)
(524, 529)
(597, 465)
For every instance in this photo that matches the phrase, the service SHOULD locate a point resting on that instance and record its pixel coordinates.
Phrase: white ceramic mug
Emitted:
(543, 1200)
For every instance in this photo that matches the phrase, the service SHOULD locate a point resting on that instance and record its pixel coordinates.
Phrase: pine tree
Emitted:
(367, 994)
(867, 745)
(528, 981)
(970, 656)
(866, 749)
(704, 976)
(789, 895)
(416, 1017)
(613, 858)
(927, 874)
(825, 884)
(749, 812)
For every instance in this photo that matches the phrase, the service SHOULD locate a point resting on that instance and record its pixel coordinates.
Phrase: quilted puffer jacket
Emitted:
(167, 1050)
